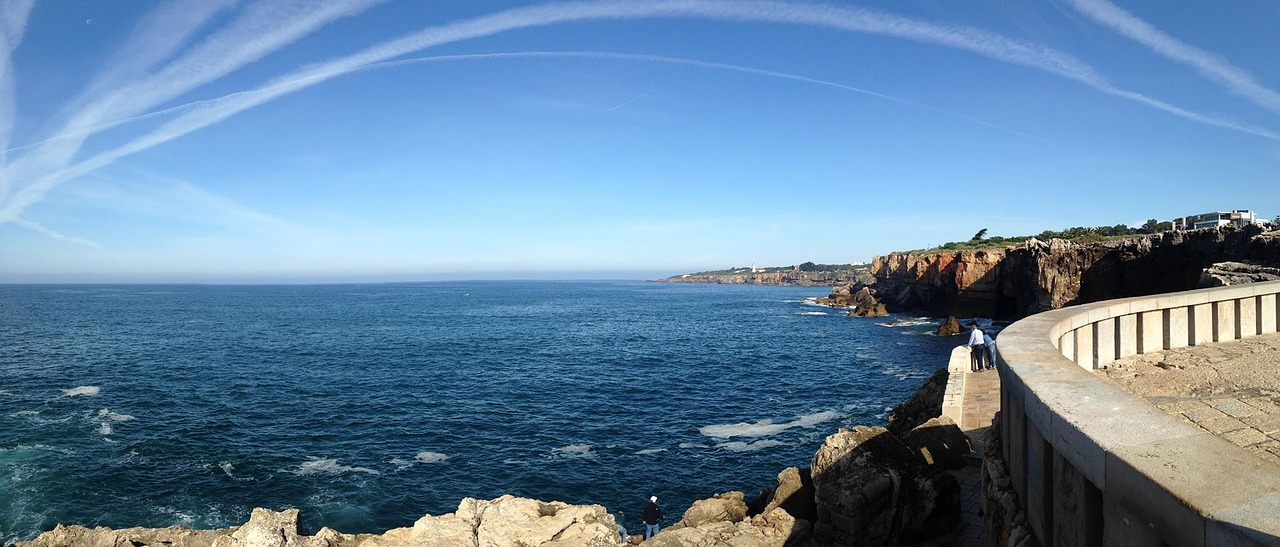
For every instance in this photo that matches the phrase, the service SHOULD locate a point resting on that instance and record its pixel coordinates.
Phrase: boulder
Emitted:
(873, 490)
(939, 442)
(866, 305)
(773, 529)
(727, 507)
(1225, 274)
(950, 327)
(794, 494)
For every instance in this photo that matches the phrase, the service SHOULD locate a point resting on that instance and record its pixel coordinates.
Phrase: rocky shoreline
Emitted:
(865, 486)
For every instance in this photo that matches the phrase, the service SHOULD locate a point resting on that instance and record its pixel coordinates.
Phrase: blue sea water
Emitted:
(368, 406)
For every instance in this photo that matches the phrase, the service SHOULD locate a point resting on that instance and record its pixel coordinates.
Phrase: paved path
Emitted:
(974, 397)
(1230, 389)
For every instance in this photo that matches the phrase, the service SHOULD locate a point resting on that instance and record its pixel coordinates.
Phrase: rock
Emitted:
(950, 327)
(173, 536)
(266, 528)
(773, 529)
(726, 507)
(923, 405)
(940, 442)
(866, 305)
(873, 490)
(794, 494)
(1225, 274)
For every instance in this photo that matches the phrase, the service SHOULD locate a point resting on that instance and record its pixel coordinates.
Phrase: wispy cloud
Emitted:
(263, 28)
(186, 73)
(1209, 65)
(13, 24)
(55, 234)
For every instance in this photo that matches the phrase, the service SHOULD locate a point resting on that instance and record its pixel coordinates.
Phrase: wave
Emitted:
(742, 446)
(910, 322)
(812, 313)
(574, 451)
(687, 446)
(327, 466)
(106, 414)
(430, 457)
(646, 452)
(765, 428)
(105, 429)
(87, 391)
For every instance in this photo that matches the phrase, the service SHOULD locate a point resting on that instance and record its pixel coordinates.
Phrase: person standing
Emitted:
(620, 521)
(977, 348)
(991, 350)
(652, 516)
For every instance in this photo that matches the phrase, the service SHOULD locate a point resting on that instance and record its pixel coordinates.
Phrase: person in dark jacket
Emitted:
(652, 516)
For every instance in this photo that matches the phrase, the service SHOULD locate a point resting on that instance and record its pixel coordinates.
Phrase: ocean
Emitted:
(369, 405)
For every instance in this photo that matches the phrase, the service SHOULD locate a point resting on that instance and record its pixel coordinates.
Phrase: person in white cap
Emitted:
(652, 516)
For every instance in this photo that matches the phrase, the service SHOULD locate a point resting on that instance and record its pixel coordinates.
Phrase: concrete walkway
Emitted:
(971, 400)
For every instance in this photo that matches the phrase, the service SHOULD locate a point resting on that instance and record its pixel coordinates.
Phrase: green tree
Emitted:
(978, 236)
(1152, 226)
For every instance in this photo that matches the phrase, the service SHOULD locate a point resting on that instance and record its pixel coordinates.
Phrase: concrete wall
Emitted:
(1097, 466)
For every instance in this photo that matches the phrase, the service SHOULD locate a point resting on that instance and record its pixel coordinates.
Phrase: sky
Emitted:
(398, 140)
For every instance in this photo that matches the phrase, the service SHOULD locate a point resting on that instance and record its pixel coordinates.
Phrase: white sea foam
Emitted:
(687, 446)
(765, 428)
(741, 446)
(227, 468)
(105, 429)
(27, 413)
(909, 322)
(328, 466)
(106, 414)
(651, 451)
(4, 393)
(401, 464)
(431, 457)
(574, 451)
(87, 391)
(811, 313)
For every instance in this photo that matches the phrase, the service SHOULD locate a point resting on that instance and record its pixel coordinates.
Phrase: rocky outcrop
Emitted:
(860, 298)
(1017, 281)
(873, 490)
(773, 529)
(950, 327)
(1225, 274)
(507, 521)
(794, 493)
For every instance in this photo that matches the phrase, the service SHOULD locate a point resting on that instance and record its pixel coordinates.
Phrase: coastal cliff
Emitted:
(1014, 282)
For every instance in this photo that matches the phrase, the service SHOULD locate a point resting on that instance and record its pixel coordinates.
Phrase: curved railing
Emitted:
(1094, 465)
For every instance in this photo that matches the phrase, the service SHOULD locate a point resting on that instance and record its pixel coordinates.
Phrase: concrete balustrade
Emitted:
(1094, 465)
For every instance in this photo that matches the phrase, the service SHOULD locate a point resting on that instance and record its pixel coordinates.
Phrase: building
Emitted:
(1238, 218)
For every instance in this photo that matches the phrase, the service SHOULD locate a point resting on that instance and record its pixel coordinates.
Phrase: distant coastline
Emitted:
(803, 275)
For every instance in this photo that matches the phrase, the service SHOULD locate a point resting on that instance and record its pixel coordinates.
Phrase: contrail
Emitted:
(694, 63)
(13, 24)
(265, 27)
(56, 235)
(626, 102)
(1209, 65)
(969, 39)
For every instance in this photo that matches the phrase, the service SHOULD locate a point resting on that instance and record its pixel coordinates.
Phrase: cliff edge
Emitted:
(1014, 282)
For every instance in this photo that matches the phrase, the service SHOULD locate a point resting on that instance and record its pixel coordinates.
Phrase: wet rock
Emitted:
(950, 327)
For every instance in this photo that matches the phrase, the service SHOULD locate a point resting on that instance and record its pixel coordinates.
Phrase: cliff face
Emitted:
(1014, 282)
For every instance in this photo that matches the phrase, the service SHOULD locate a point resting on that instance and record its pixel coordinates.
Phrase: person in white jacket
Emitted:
(977, 349)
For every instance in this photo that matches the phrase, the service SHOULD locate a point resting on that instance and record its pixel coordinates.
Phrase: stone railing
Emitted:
(1094, 465)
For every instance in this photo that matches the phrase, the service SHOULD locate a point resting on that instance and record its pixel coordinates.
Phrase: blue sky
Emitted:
(292, 140)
